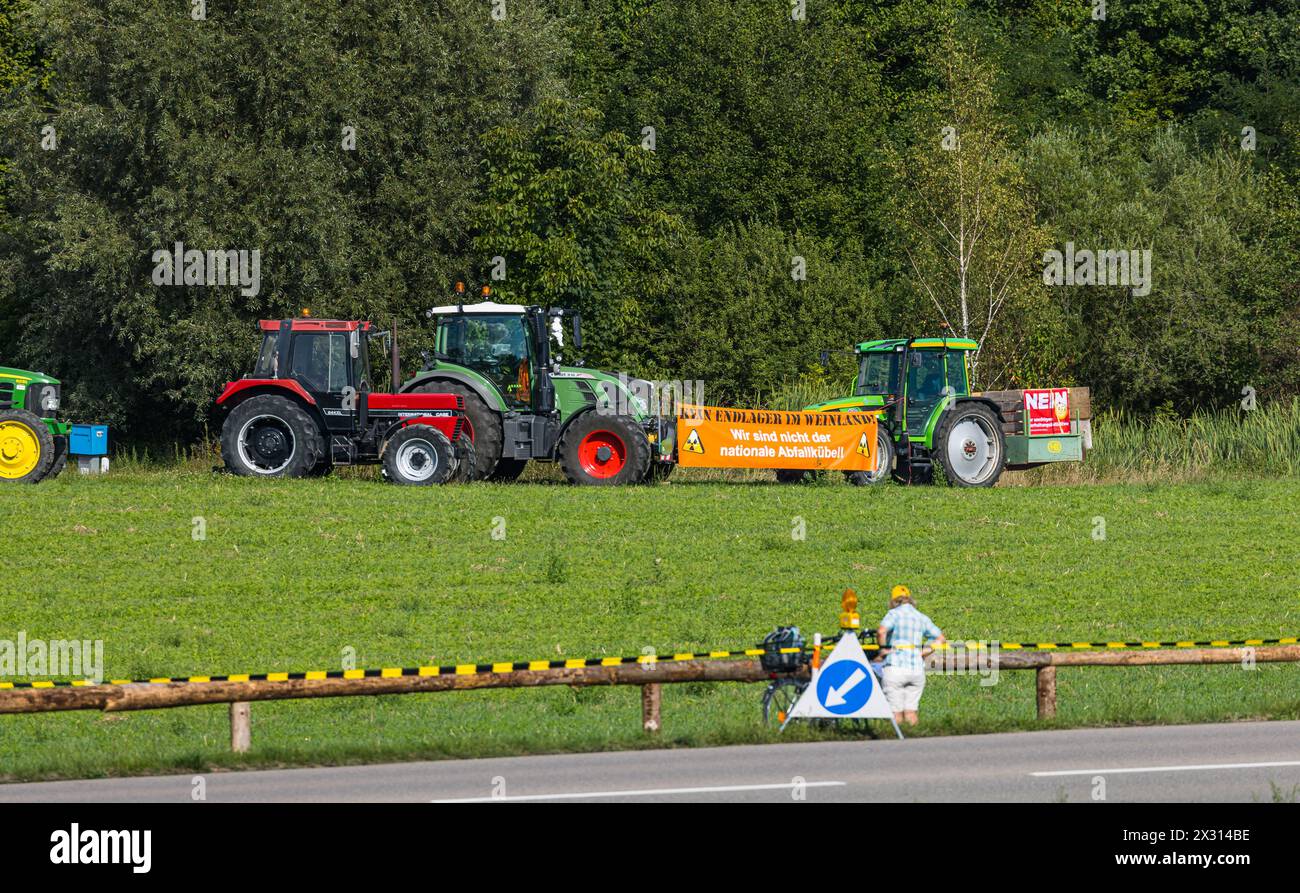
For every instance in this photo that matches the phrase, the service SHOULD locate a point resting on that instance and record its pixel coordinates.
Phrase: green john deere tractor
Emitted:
(919, 390)
(523, 403)
(33, 444)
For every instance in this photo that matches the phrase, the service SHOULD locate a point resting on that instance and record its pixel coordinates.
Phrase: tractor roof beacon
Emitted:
(920, 390)
(310, 405)
(525, 404)
(33, 443)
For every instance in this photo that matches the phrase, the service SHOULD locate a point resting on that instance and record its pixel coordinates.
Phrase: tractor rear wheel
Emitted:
(419, 455)
(466, 460)
(884, 462)
(970, 446)
(26, 448)
(271, 436)
(483, 420)
(604, 449)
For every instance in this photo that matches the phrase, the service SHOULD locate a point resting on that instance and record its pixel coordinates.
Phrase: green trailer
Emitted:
(920, 391)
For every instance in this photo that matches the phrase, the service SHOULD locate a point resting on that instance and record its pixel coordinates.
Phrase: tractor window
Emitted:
(957, 372)
(320, 361)
(266, 357)
(878, 374)
(493, 345)
(925, 375)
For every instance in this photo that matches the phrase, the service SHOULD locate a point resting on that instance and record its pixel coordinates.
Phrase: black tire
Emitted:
(486, 422)
(21, 432)
(884, 462)
(970, 446)
(508, 470)
(793, 476)
(780, 696)
(466, 460)
(271, 436)
(420, 456)
(60, 457)
(604, 450)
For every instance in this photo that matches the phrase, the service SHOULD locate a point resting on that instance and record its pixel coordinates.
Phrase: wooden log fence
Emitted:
(651, 676)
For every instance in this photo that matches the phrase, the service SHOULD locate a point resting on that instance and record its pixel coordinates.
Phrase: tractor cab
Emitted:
(513, 346)
(914, 377)
(329, 359)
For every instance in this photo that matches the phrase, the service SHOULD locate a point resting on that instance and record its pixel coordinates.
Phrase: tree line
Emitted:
(724, 188)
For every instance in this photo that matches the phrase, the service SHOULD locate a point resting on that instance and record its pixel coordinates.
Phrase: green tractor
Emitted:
(919, 390)
(34, 445)
(523, 404)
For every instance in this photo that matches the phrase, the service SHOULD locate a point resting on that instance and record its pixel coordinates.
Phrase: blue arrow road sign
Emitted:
(844, 686)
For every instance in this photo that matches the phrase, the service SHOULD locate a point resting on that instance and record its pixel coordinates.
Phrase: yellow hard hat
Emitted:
(899, 591)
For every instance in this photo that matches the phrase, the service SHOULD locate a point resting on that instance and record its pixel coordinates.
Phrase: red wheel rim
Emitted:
(590, 449)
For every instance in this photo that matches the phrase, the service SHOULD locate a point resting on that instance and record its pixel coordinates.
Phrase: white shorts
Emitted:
(903, 688)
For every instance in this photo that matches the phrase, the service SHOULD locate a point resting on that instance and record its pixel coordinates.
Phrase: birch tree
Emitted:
(965, 225)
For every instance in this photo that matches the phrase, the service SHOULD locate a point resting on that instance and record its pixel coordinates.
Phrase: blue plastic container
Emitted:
(88, 440)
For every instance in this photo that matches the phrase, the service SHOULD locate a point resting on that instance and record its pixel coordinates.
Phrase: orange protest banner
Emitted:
(716, 437)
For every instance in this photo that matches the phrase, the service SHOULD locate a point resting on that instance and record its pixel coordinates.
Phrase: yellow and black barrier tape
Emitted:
(578, 663)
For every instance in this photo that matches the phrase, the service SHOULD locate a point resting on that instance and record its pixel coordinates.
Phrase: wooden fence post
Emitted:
(651, 698)
(241, 728)
(1046, 678)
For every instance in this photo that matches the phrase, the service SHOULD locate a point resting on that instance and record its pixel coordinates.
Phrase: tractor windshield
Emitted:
(493, 345)
(878, 374)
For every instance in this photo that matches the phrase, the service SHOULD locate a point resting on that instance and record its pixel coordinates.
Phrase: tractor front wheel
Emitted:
(604, 450)
(271, 436)
(484, 421)
(884, 462)
(26, 448)
(970, 446)
(419, 455)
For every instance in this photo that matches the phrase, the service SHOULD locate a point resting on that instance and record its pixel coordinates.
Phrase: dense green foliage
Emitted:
(670, 167)
(238, 601)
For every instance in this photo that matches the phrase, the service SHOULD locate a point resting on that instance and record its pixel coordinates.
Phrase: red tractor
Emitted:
(308, 406)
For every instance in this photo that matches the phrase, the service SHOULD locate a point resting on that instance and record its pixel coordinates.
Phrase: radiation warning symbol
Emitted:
(693, 444)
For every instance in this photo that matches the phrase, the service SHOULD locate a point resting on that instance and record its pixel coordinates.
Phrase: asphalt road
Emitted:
(1221, 762)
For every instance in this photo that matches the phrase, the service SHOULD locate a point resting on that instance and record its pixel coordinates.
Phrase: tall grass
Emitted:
(1262, 442)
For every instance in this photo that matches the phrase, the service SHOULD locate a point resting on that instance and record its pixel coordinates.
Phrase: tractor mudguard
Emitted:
(488, 395)
(450, 425)
(273, 384)
(237, 392)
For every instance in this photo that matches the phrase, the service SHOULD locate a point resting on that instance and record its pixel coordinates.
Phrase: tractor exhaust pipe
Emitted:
(397, 363)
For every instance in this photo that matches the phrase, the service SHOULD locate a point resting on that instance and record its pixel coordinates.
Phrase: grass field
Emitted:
(291, 573)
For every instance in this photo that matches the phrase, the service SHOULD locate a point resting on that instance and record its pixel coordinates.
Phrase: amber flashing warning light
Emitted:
(849, 618)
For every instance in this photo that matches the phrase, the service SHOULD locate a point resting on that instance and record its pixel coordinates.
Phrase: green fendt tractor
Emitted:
(33, 444)
(920, 392)
(523, 404)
